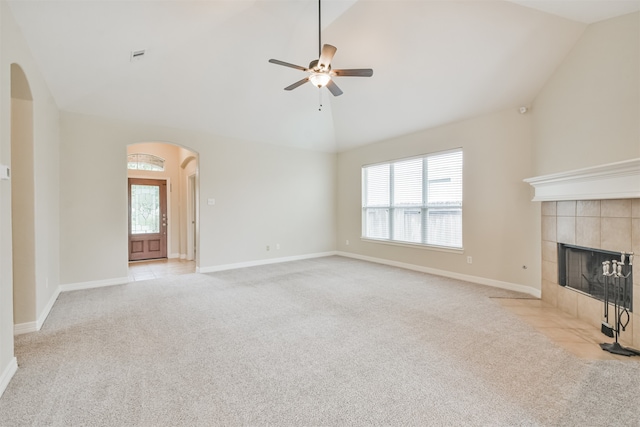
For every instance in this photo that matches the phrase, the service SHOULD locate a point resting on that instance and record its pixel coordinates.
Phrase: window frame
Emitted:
(424, 207)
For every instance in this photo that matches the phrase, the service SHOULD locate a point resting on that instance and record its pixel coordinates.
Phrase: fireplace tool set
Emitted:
(615, 287)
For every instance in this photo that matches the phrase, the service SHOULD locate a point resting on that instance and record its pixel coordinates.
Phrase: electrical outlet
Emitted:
(277, 246)
(469, 260)
(268, 248)
(347, 243)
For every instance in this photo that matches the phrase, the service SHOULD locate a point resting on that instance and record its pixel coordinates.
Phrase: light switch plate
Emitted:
(5, 172)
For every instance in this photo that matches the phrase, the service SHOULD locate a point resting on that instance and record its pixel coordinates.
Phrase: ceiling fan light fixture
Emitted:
(320, 70)
(319, 79)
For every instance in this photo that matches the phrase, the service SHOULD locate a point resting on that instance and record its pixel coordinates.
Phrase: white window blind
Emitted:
(377, 196)
(417, 200)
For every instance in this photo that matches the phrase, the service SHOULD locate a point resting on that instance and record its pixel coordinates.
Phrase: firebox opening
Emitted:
(581, 269)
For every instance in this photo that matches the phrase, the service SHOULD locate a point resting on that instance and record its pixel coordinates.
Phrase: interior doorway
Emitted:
(147, 219)
(168, 244)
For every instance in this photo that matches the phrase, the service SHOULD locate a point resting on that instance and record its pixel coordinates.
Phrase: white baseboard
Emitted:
(171, 256)
(7, 374)
(47, 309)
(537, 293)
(25, 328)
(215, 268)
(94, 284)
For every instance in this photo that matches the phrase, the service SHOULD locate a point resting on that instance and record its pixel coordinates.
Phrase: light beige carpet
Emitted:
(329, 341)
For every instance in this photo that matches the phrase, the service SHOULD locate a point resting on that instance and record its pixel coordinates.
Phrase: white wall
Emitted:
(588, 113)
(500, 223)
(264, 195)
(46, 186)
(7, 359)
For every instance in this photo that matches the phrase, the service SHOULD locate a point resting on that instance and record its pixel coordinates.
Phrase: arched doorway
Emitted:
(162, 193)
(22, 199)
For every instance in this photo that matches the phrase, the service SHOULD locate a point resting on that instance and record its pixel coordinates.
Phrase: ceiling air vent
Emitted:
(137, 55)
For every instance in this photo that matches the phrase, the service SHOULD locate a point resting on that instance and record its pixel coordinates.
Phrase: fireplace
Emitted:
(581, 269)
(592, 208)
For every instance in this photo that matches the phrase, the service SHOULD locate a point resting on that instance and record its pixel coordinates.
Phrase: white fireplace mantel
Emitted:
(620, 180)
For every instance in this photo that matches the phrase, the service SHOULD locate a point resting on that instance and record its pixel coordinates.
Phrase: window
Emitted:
(147, 162)
(145, 209)
(416, 200)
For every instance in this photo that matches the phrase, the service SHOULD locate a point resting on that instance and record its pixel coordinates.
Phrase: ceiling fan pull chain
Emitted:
(320, 100)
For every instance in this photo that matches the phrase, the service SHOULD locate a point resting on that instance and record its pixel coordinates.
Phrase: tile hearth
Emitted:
(576, 336)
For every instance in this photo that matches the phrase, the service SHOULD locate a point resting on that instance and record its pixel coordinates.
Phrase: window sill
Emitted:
(414, 246)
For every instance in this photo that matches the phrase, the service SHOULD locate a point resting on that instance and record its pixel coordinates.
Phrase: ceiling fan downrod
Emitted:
(319, 30)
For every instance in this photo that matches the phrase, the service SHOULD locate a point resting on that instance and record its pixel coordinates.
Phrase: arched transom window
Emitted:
(146, 162)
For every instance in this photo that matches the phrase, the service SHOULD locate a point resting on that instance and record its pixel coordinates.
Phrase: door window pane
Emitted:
(145, 209)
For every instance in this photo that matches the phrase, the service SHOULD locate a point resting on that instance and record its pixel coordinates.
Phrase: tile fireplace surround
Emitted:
(594, 208)
(600, 224)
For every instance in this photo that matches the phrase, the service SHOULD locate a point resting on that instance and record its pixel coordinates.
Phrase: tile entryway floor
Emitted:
(578, 337)
(156, 269)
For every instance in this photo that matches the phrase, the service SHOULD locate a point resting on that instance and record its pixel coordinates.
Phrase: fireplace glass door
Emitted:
(581, 269)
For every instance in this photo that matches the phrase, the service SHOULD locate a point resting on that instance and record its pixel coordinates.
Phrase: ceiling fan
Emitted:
(320, 72)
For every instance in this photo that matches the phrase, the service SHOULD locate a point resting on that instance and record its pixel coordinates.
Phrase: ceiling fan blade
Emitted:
(356, 72)
(296, 84)
(327, 55)
(333, 88)
(286, 64)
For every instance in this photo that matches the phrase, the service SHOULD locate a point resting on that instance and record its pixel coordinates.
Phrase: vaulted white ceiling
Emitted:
(206, 68)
